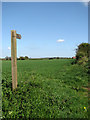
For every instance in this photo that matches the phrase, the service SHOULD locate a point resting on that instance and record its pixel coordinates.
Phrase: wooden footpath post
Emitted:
(14, 57)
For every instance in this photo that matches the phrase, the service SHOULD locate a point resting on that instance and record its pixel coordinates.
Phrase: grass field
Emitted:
(46, 89)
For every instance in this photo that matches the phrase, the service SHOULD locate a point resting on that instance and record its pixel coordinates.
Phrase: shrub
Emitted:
(84, 47)
(22, 58)
(26, 58)
(83, 60)
(82, 53)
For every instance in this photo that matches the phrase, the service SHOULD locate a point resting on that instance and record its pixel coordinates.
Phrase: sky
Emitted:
(48, 29)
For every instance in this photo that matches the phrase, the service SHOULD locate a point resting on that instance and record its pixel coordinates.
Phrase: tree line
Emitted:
(82, 55)
(20, 58)
(27, 58)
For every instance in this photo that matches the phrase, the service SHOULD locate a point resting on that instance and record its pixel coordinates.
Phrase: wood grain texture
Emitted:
(14, 59)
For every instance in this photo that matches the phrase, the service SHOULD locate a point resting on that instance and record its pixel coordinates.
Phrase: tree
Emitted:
(26, 58)
(57, 57)
(6, 58)
(9, 58)
(21, 58)
(82, 53)
(85, 48)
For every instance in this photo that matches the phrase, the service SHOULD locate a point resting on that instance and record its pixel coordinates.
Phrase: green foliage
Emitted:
(46, 89)
(22, 58)
(83, 60)
(82, 53)
(7, 58)
(84, 47)
(26, 58)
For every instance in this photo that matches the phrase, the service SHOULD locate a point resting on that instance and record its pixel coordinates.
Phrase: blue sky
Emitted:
(42, 26)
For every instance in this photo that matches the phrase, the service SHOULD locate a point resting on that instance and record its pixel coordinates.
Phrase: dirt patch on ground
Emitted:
(86, 93)
(86, 88)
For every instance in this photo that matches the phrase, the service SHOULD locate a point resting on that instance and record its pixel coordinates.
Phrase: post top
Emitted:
(14, 34)
(13, 30)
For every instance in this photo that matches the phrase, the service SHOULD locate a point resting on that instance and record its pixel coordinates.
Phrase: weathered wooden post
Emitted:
(14, 57)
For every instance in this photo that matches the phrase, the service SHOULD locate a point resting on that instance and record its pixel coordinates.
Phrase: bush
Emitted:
(83, 60)
(22, 58)
(82, 53)
(50, 58)
(73, 62)
(26, 58)
(84, 47)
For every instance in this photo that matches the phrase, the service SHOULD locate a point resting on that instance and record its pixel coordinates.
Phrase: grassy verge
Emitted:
(46, 89)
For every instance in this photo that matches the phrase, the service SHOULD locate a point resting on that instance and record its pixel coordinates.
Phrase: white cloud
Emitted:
(9, 48)
(60, 40)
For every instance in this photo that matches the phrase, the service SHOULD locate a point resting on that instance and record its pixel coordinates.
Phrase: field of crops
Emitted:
(46, 89)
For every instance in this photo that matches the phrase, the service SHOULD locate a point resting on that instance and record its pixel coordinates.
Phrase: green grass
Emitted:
(46, 89)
